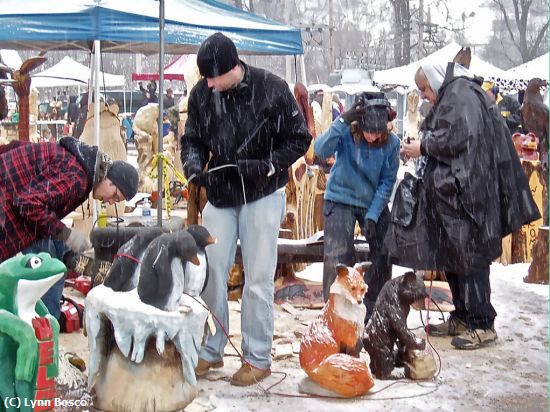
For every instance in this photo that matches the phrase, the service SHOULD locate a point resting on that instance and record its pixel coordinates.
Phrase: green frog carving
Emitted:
(24, 279)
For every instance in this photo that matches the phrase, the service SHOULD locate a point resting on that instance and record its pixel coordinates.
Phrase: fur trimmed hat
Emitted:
(125, 177)
(217, 55)
(377, 112)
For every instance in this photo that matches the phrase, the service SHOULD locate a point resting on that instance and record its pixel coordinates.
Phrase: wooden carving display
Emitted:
(145, 128)
(328, 348)
(463, 57)
(151, 350)
(111, 142)
(34, 136)
(301, 193)
(29, 334)
(302, 99)
(22, 86)
(534, 118)
(524, 239)
(387, 326)
(146, 321)
(413, 118)
(538, 271)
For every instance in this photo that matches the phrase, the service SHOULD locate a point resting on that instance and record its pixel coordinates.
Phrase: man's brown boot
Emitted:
(204, 366)
(248, 375)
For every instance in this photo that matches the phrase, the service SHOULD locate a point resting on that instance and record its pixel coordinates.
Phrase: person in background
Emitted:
(169, 99)
(81, 115)
(471, 193)
(359, 187)
(149, 94)
(245, 124)
(509, 107)
(72, 110)
(337, 106)
(44, 182)
(317, 108)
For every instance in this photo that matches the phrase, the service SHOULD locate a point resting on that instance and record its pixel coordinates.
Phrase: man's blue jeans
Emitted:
(256, 225)
(56, 249)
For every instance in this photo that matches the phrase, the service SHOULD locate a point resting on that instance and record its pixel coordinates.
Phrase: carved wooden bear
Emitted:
(388, 323)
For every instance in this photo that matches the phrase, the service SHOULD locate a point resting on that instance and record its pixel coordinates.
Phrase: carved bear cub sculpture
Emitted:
(388, 324)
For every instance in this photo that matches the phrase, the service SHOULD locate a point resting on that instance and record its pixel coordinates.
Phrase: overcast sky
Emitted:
(478, 28)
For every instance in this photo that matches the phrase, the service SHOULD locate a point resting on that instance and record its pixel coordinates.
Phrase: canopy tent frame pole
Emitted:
(95, 78)
(161, 110)
(124, 94)
(303, 69)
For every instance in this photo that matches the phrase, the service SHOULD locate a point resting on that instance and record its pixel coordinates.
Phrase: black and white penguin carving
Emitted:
(161, 279)
(196, 277)
(124, 273)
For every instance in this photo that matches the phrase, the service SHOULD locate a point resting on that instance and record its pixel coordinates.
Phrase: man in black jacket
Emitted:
(245, 124)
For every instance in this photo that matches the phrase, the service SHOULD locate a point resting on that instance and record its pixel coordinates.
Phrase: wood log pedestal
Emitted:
(155, 384)
(142, 358)
(538, 270)
(524, 239)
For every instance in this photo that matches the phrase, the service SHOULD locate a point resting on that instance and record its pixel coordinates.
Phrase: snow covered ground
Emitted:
(509, 375)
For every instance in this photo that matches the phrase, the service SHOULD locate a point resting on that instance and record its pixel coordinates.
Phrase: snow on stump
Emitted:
(142, 358)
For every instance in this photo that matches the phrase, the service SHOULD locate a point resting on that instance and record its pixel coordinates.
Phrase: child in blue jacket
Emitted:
(359, 188)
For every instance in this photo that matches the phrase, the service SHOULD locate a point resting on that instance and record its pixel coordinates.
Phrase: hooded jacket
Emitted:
(40, 183)
(363, 174)
(257, 119)
(474, 191)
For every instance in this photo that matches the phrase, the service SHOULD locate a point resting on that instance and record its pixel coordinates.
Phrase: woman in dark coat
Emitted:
(471, 193)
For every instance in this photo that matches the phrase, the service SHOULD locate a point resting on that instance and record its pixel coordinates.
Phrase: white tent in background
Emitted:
(404, 75)
(69, 72)
(11, 58)
(538, 67)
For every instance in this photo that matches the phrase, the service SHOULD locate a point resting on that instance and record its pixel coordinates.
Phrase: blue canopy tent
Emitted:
(133, 26)
(139, 26)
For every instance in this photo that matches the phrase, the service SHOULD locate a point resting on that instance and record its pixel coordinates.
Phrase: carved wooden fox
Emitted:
(326, 348)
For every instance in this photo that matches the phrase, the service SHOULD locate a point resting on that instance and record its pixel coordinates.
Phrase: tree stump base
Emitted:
(142, 358)
(524, 238)
(162, 372)
(538, 270)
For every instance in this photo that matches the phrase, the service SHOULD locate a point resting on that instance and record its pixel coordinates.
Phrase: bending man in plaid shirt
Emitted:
(40, 183)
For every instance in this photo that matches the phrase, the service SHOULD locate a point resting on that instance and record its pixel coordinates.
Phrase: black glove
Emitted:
(253, 169)
(190, 169)
(204, 179)
(354, 113)
(194, 174)
(370, 229)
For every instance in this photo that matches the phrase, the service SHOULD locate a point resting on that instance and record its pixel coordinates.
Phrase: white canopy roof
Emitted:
(537, 67)
(404, 75)
(69, 72)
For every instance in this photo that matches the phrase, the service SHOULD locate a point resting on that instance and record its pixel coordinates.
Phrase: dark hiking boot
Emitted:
(474, 338)
(451, 327)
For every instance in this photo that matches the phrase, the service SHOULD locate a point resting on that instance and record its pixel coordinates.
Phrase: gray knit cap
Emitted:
(125, 177)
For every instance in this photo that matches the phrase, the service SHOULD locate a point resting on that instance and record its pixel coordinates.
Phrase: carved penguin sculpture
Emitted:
(123, 275)
(196, 277)
(161, 280)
